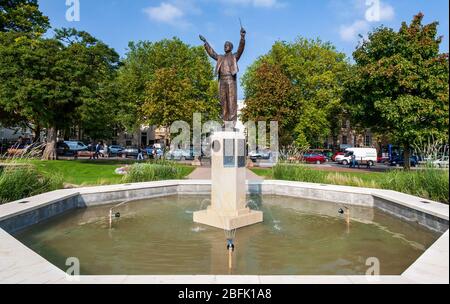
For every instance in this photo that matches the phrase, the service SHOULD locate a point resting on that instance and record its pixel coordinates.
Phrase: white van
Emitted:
(365, 155)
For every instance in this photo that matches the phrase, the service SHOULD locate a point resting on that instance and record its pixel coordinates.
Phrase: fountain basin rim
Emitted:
(15, 258)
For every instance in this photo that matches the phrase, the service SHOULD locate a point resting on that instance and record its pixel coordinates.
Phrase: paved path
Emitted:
(205, 173)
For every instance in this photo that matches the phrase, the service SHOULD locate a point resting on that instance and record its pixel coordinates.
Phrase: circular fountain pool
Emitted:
(298, 237)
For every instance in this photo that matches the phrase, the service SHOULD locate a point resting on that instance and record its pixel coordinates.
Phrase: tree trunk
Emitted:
(37, 134)
(50, 148)
(407, 156)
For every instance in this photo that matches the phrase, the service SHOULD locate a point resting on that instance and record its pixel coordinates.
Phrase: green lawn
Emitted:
(25, 178)
(266, 173)
(88, 173)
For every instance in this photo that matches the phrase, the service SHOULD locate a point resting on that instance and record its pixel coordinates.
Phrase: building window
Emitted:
(144, 138)
(344, 140)
(368, 141)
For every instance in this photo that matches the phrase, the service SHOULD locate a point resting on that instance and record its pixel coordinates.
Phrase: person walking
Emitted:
(140, 154)
(98, 147)
(105, 151)
(353, 161)
(154, 152)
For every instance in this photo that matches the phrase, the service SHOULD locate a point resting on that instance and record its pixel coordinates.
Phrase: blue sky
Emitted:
(116, 22)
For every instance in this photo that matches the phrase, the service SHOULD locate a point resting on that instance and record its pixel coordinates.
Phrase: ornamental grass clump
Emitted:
(18, 182)
(138, 173)
(298, 173)
(428, 183)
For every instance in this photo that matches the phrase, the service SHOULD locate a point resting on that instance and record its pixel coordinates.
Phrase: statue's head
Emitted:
(228, 47)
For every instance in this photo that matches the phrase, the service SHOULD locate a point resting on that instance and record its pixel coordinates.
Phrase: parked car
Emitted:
(333, 158)
(181, 154)
(76, 145)
(315, 158)
(399, 161)
(383, 160)
(362, 155)
(441, 163)
(115, 149)
(264, 154)
(129, 152)
(340, 158)
(63, 149)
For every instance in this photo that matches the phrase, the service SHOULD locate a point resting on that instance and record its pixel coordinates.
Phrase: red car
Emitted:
(315, 159)
(383, 160)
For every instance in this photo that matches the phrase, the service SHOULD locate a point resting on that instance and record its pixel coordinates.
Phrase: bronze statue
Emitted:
(227, 70)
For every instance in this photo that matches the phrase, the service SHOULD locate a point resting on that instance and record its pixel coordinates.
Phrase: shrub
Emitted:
(347, 180)
(153, 172)
(20, 182)
(298, 173)
(427, 183)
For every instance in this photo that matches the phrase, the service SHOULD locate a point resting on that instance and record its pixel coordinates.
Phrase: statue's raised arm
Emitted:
(209, 49)
(227, 70)
(241, 48)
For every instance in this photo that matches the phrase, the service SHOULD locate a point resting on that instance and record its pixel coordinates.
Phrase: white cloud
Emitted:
(373, 10)
(387, 12)
(174, 12)
(165, 13)
(350, 33)
(377, 11)
(256, 3)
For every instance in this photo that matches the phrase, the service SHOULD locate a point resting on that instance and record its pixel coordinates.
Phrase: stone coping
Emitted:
(19, 264)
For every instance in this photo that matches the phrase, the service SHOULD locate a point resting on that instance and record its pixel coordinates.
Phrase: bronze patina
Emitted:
(227, 69)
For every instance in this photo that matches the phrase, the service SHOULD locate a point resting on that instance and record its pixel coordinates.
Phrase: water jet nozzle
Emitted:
(230, 244)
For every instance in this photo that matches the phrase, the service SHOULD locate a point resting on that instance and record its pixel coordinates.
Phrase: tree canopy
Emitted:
(298, 84)
(46, 81)
(22, 16)
(165, 81)
(399, 84)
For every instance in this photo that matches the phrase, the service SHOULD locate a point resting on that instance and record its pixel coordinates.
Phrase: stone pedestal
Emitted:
(229, 209)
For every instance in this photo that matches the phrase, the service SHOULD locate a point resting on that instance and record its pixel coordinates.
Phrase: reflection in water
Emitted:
(298, 237)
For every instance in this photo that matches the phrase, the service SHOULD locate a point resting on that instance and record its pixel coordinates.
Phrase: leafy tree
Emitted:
(48, 80)
(161, 82)
(99, 114)
(400, 84)
(302, 89)
(19, 18)
(270, 97)
(22, 16)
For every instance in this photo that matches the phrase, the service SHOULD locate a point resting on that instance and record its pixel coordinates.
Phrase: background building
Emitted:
(350, 137)
(13, 134)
